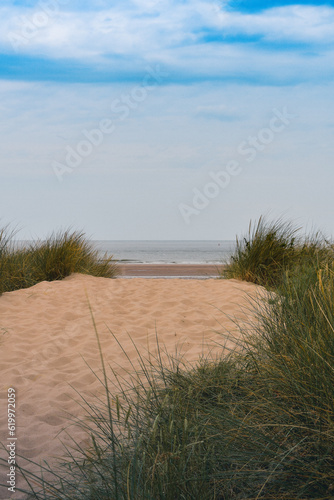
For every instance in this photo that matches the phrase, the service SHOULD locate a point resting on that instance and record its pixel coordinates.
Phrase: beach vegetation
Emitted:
(272, 248)
(61, 254)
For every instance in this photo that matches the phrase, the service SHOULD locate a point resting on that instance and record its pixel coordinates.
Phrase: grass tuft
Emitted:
(60, 255)
(272, 248)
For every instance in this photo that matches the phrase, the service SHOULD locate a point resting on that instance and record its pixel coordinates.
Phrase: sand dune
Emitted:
(48, 337)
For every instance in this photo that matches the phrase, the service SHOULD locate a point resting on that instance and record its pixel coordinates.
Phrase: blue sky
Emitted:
(260, 5)
(125, 119)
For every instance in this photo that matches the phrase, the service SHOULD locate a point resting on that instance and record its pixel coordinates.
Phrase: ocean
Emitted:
(167, 252)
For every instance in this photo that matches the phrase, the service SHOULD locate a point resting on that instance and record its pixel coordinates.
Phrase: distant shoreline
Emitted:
(169, 270)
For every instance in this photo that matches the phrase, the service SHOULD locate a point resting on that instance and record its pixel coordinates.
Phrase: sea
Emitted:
(167, 252)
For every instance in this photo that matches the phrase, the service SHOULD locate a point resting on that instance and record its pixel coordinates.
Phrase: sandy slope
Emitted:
(47, 331)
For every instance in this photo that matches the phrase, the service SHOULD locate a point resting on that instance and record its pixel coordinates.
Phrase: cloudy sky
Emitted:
(165, 119)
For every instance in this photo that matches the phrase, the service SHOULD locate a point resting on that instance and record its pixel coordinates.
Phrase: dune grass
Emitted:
(269, 249)
(257, 423)
(60, 255)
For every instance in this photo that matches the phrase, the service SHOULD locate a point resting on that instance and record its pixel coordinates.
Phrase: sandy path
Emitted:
(47, 329)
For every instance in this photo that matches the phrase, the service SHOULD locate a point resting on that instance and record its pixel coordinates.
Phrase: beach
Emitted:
(170, 270)
(49, 349)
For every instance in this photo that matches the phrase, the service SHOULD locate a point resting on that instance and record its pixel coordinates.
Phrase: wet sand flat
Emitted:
(169, 270)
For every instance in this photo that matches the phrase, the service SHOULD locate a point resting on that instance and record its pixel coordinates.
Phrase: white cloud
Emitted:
(138, 30)
(293, 23)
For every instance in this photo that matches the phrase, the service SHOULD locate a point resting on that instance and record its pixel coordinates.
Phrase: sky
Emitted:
(165, 119)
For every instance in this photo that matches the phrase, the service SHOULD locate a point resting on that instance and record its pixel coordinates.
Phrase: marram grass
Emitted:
(271, 248)
(60, 255)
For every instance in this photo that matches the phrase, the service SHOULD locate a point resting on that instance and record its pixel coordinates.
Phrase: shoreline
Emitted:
(169, 270)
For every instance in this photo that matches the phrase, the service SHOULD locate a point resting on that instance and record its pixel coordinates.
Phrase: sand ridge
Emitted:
(48, 337)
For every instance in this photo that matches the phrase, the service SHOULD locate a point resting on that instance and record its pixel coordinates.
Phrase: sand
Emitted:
(48, 337)
(170, 270)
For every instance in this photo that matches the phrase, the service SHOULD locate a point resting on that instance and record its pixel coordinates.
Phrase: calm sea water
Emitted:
(168, 252)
